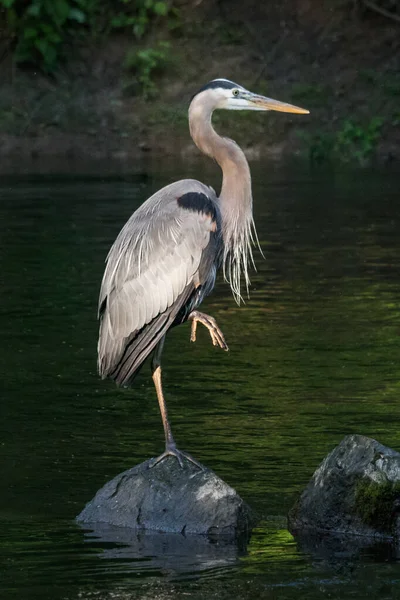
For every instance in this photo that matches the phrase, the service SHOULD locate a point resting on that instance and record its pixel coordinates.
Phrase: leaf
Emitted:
(42, 45)
(117, 21)
(46, 28)
(60, 10)
(77, 15)
(34, 10)
(139, 29)
(122, 20)
(48, 52)
(7, 3)
(30, 32)
(160, 8)
(54, 37)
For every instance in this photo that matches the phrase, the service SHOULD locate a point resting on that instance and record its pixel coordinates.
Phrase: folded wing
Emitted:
(166, 252)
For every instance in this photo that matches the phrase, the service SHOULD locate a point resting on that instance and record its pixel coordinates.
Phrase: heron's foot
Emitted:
(172, 450)
(216, 334)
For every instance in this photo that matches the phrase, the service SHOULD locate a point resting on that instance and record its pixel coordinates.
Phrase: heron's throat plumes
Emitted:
(235, 200)
(239, 233)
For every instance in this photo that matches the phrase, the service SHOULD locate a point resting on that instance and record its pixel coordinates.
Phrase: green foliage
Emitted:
(140, 19)
(42, 28)
(356, 141)
(145, 64)
(352, 142)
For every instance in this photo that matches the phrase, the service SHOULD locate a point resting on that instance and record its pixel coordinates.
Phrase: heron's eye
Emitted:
(235, 92)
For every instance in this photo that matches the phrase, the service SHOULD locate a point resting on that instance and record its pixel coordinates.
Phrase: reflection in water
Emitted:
(172, 554)
(342, 553)
(314, 356)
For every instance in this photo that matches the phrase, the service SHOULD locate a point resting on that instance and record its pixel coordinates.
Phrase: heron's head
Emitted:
(222, 93)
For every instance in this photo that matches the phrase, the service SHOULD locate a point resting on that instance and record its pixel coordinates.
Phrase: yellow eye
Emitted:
(235, 92)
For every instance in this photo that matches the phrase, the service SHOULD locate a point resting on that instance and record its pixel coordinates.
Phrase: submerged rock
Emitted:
(172, 499)
(355, 490)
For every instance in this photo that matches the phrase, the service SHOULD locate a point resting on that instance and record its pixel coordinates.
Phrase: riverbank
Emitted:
(105, 103)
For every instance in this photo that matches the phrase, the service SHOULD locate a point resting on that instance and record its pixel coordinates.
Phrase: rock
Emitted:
(172, 499)
(355, 490)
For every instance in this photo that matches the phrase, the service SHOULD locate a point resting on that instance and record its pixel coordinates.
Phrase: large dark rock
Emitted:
(355, 490)
(172, 499)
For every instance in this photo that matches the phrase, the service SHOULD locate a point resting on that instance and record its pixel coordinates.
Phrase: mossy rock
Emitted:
(377, 503)
(355, 490)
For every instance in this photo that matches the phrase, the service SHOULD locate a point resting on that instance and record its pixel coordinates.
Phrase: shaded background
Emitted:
(102, 78)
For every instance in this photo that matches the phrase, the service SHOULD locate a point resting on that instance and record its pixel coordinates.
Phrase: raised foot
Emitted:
(216, 334)
(179, 455)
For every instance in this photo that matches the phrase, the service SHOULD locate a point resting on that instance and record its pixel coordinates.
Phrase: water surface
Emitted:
(314, 355)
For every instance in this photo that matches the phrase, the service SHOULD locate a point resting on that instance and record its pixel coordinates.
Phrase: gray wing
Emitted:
(152, 269)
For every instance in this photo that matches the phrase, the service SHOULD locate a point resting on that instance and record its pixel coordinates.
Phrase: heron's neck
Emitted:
(235, 198)
(235, 193)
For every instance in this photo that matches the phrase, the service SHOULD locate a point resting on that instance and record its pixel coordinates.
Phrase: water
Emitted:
(314, 355)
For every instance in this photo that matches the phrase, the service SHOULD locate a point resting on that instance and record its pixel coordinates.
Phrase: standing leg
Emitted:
(156, 369)
(170, 446)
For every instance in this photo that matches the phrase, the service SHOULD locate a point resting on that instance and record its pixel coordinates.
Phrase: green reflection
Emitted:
(267, 546)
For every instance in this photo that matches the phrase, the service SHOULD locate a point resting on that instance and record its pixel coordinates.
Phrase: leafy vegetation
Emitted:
(145, 63)
(43, 29)
(352, 141)
(106, 50)
(140, 19)
(356, 141)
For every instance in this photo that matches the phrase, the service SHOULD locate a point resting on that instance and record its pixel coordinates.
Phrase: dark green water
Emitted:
(314, 356)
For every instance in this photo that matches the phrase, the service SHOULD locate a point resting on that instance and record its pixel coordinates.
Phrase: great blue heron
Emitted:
(165, 259)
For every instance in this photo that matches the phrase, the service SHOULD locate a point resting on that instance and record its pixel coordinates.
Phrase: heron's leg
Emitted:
(156, 368)
(216, 334)
(170, 446)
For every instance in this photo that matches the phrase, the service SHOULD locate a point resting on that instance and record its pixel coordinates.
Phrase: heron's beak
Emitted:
(263, 103)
